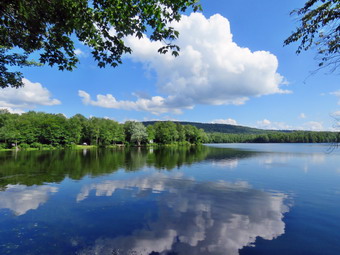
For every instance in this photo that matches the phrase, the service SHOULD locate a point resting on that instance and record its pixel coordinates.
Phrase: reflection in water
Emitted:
(229, 163)
(194, 217)
(39, 167)
(20, 198)
(129, 202)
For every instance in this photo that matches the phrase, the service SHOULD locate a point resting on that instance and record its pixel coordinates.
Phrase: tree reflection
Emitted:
(39, 167)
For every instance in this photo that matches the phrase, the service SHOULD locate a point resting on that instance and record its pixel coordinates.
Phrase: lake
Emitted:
(214, 199)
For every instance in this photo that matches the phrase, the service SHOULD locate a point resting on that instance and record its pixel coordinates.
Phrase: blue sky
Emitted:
(232, 69)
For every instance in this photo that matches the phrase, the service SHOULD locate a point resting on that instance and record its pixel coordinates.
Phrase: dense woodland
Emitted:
(276, 137)
(219, 128)
(44, 131)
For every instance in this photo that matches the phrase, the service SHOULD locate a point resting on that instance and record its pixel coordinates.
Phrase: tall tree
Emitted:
(166, 132)
(51, 28)
(136, 132)
(139, 133)
(320, 28)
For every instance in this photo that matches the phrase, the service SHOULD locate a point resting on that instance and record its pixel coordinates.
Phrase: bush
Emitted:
(47, 147)
(24, 146)
(3, 146)
(70, 146)
(37, 145)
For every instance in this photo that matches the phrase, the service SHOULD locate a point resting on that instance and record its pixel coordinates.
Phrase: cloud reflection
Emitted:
(226, 163)
(22, 198)
(194, 217)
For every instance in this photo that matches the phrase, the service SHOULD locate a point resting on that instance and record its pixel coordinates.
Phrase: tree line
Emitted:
(45, 130)
(276, 137)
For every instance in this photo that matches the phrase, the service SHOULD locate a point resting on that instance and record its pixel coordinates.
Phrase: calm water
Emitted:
(217, 199)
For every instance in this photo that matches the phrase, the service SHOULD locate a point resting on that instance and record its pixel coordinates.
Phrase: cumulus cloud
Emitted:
(336, 114)
(337, 94)
(21, 198)
(78, 52)
(313, 126)
(155, 105)
(211, 69)
(273, 125)
(11, 110)
(225, 121)
(195, 217)
(27, 97)
(267, 124)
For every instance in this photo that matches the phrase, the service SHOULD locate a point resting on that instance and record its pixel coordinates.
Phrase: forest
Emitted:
(276, 137)
(44, 130)
(40, 130)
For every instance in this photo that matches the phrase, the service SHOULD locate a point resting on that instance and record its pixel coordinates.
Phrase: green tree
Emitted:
(151, 133)
(108, 132)
(181, 132)
(190, 133)
(11, 131)
(119, 134)
(53, 130)
(52, 27)
(320, 28)
(76, 128)
(93, 130)
(136, 132)
(166, 132)
(128, 130)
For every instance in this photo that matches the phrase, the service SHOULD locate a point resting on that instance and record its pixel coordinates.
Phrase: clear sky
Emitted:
(232, 69)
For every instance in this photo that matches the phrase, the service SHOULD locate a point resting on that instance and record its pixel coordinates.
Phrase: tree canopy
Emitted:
(320, 28)
(45, 130)
(52, 27)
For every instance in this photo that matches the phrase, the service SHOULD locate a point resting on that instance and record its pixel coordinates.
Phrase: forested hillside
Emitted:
(220, 128)
(224, 133)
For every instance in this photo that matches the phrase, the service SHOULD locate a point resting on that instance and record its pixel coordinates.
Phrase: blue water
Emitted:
(219, 199)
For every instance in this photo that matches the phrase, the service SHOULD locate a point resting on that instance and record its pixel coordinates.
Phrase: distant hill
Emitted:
(221, 128)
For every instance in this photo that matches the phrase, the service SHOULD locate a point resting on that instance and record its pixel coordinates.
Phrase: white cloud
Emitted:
(313, 126)
(226, 163)
(211, 69)
(336, 114)
(225, 121)
(21, 198)
(267, 124)
(302, 116)
(27, 97)
(155, 105)
(337, 94)
(194, 217)
(78, 52)
(11, 110)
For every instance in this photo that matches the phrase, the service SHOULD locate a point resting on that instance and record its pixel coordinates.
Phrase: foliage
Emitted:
(212, 127)
(45, 131)
(319, 27)
(43, 166)
(52, 27)
(151, 133)
(138, 132)
(276, 137)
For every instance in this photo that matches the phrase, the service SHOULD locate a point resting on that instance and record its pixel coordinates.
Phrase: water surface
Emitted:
(216, 199)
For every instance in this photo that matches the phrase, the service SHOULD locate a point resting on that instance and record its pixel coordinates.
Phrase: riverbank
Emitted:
(44, 147)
